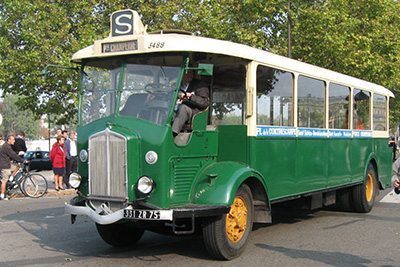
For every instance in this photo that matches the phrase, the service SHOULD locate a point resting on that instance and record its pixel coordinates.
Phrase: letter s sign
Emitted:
(122, 23)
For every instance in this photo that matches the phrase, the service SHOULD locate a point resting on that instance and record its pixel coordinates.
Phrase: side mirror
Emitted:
(203, 69)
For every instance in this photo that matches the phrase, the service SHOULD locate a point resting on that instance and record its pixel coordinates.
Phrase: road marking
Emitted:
(391, 197)
(12, 221)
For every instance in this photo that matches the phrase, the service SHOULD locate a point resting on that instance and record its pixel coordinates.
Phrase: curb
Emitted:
(50, 192)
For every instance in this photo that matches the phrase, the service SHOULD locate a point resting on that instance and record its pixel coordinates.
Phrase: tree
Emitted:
(15, 120)
(357, 37)
(34, 34)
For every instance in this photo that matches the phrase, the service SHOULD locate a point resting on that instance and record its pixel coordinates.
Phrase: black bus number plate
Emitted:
(142, 214)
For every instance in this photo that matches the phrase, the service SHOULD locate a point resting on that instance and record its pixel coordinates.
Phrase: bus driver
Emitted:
(193, 98)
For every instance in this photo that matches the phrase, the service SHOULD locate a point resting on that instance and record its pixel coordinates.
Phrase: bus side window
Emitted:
(274, 97)
(228, 95)
(311, 102)
(361, 110)
(338, 106)
(379, 104)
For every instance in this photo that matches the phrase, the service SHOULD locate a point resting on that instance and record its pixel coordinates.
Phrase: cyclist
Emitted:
(7, 154)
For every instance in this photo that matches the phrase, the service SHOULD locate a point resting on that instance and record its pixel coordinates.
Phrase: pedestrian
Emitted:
(59, 132)
(65, 134)
(7, 154)
(396, 175)
(20, 146)
(71, 163)
(1, 140)
(57, 156)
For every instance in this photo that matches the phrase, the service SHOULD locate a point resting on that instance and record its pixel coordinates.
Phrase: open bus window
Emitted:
(338, 106)
(274, 97)
(361, 111)
(228, 95)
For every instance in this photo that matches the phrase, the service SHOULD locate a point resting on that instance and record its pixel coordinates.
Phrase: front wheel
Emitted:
(226, 236)
(119, 235)
(364, 194)
(34, 185)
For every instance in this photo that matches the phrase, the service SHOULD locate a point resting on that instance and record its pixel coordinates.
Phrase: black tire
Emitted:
(364, 194)
(34, 185)
(226, 236)
(120, 235)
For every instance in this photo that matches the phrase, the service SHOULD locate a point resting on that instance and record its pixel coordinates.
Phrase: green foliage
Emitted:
(356, 37)
(359, 38)
(15, 120)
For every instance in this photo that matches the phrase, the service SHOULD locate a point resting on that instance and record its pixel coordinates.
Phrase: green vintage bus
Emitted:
(276, 130)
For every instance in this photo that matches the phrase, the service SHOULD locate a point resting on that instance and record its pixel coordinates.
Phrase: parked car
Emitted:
(39, 160)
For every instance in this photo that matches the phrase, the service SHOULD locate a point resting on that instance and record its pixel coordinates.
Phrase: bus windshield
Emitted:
(146, 92)
(99, 93)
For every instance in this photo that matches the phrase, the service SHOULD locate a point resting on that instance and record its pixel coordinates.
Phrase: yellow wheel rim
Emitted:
(369, 187)
(236, 220)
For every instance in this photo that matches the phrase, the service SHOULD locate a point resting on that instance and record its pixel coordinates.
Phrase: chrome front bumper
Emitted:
(103, 215)
(100, 219)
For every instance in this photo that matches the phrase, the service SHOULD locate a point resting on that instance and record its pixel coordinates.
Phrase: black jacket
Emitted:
(19, 145)
(201, 98)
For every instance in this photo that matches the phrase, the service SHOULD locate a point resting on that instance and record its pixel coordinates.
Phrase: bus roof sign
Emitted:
(126, 22)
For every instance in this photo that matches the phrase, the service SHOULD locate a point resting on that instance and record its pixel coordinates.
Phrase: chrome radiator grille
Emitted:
(107, 166)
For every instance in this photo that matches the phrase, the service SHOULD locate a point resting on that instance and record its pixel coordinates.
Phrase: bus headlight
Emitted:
(75, 180)
(83, 155)
(145, 185)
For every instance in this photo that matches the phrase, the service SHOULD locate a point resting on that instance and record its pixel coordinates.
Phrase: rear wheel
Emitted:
(226, 236)
(364, 194)
(34, 185)
(119, 235)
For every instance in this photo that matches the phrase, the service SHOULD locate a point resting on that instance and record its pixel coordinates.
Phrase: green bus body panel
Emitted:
(311, 164)
(232, 143)
(183, 171)
(176, 168)
(293, 166)
(339, 162)
(218, 183)
(275, 159)
(384, 161)
(212, 165)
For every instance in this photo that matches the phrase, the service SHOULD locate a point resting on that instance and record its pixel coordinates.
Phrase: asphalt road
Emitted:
(36, 232)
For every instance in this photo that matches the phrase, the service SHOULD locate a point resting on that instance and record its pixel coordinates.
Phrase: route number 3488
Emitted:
(156, 45)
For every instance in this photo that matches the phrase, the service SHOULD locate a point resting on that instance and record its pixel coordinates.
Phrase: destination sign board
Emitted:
(120, 46)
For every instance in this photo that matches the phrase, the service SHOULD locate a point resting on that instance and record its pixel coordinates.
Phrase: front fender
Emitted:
(217, 183)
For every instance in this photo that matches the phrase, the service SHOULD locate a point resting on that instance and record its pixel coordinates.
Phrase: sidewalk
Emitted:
(51, 189)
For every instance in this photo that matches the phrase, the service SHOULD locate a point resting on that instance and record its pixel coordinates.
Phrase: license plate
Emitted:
(148, 214)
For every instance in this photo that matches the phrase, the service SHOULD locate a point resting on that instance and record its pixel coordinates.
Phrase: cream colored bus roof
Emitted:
(174, 42)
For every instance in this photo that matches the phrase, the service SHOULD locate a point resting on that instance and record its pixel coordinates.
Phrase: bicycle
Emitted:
(32, 185)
